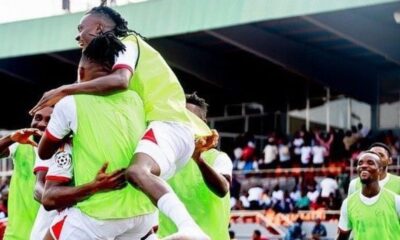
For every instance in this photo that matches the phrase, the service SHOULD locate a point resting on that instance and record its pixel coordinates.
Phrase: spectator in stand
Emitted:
(363, 131)
(325, 140)
(296, 231)
(277, 194)
(306, 154)
(245, 201)
(248, 165)
(318, 152)
(255, 198)
(285, 205)
(284, 153)
(303, 203)
(266, 200)
(295, 194)
(313, 195)
(329, 186)
(298, 142)
(318, 231)
(257, 235)
(348, 140)
(238, 204)
(238, 150)
(307, 136)
(270, 154)
(351, 139)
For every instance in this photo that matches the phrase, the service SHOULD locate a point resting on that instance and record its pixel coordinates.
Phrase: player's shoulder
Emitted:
(129, 39)
(354, 180)
(66, 102)
(394, 177)
(352, 195)
(389, 192)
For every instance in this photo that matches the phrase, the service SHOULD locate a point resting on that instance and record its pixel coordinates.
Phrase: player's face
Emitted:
(368, 168)
(88, 28)
(383, 154)
(41, 118)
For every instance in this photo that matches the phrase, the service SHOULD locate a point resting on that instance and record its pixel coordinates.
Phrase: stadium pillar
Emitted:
(287, 119)
(308, 107)
(349, 111)
(327, 102)
(375, 111)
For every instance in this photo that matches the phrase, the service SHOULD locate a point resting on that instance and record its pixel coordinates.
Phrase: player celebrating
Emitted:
(203, 186)
(104, 128)
(22, 207)
(169, 139)
(386, 180)
(372, 212)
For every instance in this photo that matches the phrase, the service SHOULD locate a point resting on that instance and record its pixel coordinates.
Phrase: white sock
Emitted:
(172, 207)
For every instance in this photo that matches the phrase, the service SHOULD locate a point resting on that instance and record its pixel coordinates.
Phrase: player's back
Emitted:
(160, 90)
(109, 128)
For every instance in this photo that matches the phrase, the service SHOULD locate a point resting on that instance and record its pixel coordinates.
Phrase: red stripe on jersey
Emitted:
(149, 135)
(51, 136)
(40, 168)
(58, 179)
(57, 228)
(122, 66)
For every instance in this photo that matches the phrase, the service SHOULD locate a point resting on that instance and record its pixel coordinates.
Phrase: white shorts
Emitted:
(72, 224)
(42, 223)
(170, 144)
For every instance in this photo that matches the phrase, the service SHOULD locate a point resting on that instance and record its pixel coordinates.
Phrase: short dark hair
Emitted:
(198, 101)
(257, 232)
(382, 145)
(104, 48)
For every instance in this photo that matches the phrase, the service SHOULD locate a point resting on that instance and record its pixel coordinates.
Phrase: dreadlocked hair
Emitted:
(104, 48)
(196, 100)
(121, 25)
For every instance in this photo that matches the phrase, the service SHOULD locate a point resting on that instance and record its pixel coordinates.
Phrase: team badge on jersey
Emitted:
(63, 159)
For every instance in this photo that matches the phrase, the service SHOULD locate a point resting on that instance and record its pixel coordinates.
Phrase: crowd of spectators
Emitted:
(305, 149)
(306, 194)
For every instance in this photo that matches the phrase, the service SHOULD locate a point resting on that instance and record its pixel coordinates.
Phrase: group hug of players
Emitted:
(108, 145)
(96, 160)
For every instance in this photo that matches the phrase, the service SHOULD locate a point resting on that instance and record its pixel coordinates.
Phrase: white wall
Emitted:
(361, 112)
(389, 116)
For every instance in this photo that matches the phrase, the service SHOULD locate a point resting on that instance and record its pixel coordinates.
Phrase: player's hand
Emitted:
(49, 98)
(203, 144)
(23, 136)
(109, 181)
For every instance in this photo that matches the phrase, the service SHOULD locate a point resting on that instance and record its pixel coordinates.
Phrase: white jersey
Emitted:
(58, 167)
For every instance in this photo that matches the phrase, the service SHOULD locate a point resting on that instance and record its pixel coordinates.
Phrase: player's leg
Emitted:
(164, 148)
(73, 224)
(69, 225)
(48, 236)
(141, 228)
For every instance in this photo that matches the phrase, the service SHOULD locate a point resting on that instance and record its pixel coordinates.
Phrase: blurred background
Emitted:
(296, 89)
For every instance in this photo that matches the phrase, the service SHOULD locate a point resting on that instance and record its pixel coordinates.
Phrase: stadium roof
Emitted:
(226, 50)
